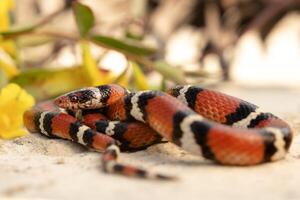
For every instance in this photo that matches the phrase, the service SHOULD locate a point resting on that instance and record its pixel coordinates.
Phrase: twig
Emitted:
(21, 31)
(54, 34)
(49, 18)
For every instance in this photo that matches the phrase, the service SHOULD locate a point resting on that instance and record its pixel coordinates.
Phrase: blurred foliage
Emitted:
(174, 74)
(222, 23)
(89, 66)
(45, 83)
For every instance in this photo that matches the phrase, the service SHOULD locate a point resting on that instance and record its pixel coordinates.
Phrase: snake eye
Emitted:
(73, 98)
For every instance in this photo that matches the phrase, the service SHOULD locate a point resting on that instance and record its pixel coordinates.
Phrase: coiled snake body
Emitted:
(217, 126)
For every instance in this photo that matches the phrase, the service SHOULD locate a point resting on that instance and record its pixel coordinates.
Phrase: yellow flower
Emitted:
(14, 101)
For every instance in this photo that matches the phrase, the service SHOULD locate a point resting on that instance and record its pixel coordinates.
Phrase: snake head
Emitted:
(91, 97)
(86, 98)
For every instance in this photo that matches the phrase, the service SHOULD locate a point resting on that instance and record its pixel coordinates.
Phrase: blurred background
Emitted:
(50, 47)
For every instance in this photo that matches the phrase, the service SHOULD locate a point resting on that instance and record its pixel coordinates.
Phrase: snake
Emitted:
(111, 119)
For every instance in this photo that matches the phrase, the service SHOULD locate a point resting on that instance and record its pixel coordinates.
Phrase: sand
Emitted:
(35, 167)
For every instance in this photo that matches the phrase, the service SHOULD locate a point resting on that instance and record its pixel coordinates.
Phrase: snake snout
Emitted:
(61, 101)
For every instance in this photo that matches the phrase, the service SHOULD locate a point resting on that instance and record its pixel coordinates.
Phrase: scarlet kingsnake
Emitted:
(217, 126)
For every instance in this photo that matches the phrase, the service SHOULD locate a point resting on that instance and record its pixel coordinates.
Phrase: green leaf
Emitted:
(48, 83)
(140, 79)
(122, 46)
(169, 72)
(84, 18)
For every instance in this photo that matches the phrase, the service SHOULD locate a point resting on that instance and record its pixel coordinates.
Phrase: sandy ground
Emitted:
(34, 167)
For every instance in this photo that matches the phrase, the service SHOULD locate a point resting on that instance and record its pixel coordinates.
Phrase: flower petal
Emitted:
(14, 101)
